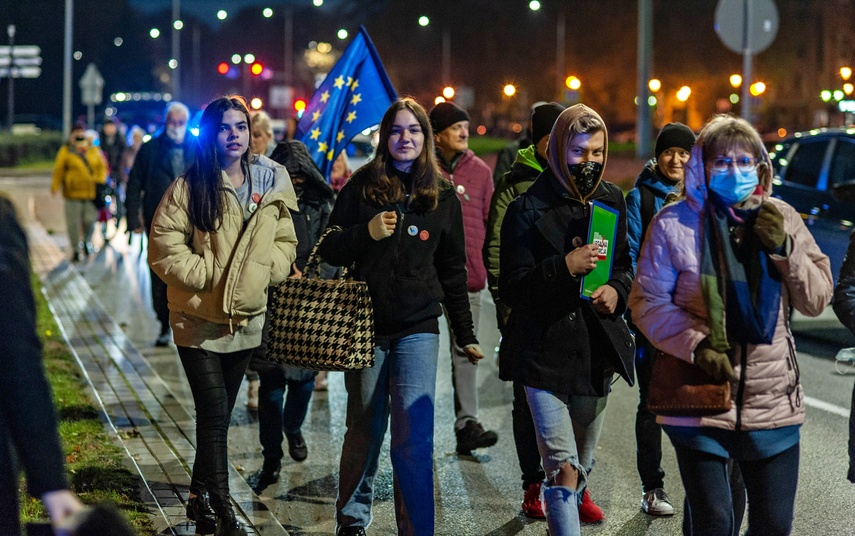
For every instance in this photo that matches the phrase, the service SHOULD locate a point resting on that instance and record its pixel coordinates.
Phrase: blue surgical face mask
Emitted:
(733, 186)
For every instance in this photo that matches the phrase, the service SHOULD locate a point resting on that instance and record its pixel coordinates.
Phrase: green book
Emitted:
(602, 230)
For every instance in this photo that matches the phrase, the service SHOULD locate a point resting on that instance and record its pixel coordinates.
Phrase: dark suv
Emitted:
(815, 173)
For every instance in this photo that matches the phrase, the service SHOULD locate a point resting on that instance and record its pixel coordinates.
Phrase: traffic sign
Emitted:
(21, 72)
(5, 61)
(20, 51)
(730, 16)
(91, 86)
(21, 61)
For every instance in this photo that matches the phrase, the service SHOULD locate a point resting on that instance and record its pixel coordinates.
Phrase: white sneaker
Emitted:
(656, 503)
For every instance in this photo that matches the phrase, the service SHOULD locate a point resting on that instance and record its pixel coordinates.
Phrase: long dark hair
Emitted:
(384, 187)
(205, 176)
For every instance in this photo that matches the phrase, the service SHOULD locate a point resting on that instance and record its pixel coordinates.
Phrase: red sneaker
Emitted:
(588, 511)
(532, 506)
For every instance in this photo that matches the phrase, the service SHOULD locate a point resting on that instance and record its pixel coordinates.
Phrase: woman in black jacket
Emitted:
(566, 349)
(403, 233)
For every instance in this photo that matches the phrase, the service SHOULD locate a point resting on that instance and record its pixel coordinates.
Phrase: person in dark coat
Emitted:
(565, 349)
(402, 230)
(844, 308)
(28, 429)
(530, 163)
(315, 200)
(158, 162)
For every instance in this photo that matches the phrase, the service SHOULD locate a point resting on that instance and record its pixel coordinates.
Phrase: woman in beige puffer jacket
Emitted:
(220, 237)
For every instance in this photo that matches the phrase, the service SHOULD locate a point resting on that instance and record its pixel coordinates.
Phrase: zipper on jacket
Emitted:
(394, 258)
(793, 364)
(740, 392)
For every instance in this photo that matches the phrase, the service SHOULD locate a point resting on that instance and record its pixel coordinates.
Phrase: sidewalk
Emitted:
(140, 409)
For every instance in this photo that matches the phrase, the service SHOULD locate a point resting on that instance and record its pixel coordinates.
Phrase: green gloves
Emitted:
(713, 362)
(769, 227)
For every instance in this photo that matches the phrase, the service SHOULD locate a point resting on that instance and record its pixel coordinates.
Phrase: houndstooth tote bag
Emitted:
(321, 324)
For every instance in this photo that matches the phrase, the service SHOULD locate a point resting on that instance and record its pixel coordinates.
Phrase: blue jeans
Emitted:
(402, 384)
(770, 482)
(568, 428)
(273, 419)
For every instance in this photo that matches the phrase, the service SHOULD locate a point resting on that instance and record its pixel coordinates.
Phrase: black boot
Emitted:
(269, 474)
(199, 510)
(227, 523)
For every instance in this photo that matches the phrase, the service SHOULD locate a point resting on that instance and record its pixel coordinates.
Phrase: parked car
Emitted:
(815, 173)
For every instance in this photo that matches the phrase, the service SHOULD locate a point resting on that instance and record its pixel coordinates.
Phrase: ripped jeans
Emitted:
(568, 428)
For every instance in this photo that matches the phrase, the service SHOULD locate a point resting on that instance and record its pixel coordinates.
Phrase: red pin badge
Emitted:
(424, 235)
(256, 197)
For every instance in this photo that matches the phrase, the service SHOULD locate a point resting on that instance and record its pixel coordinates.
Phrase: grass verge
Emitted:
(93, 462)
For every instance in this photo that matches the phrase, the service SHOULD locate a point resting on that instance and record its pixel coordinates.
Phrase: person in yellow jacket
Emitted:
(221, 235)
(79, 166)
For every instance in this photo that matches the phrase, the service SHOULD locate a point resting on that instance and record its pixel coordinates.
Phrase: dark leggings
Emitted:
(770, 483)
(214, 379)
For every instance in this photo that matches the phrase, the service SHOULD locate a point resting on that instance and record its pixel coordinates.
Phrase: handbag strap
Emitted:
(314, 262)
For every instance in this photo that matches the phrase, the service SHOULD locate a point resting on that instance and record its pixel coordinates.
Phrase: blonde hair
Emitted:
(262, 121)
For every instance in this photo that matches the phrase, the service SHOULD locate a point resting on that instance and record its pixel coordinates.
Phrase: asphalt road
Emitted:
(478, 495)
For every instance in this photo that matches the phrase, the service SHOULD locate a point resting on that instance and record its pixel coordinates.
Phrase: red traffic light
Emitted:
(223, 68)
(256, 69)
(299, 105)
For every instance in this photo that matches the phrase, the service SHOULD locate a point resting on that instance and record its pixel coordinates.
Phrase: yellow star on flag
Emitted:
(316, 133)
(357, 98)
(315, 115)
(322, 147)
(339, 136)
(351, 117)
(349, 81)
(330, 155)
(339, 82)
(354, 85)
(325, 96)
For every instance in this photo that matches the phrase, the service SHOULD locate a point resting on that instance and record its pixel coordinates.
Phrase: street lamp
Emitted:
(757, 89)
(509, 90)
(735, 80)
(573, 83)
(448, 92)
(683, 93)
(845, 73)
(654, 84)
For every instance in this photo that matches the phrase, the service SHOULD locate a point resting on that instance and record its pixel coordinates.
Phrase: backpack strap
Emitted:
(648, 208)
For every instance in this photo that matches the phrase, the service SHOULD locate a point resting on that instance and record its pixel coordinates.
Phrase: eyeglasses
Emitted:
(80, 139)
(744, 163)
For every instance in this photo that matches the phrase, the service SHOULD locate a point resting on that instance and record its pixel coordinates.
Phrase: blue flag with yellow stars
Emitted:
(354, 96)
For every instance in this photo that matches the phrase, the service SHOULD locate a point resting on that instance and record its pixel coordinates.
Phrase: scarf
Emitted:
(738, 282)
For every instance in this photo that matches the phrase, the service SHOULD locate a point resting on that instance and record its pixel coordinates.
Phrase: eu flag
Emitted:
(354, 96)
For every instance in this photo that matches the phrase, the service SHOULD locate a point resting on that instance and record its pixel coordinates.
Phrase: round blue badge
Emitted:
(412, 230)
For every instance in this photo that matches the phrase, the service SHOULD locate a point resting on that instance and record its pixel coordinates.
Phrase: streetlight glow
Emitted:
(118, 41)
(654, 85)
(448, 92)
(509, 90)
(342, 34)
(573, 83)
(255, 103)
(423, 21)
(845, 73)
(154, 33)
(848, 88)
(178, 24)
(318, 3)
(439, 100)
(735, 80)
(236, 58)
(249, 58)
(173, 63)
(221, 14)
(683, 93)
(534, 5)
(757, 88)
(267, 12)
(651, 100)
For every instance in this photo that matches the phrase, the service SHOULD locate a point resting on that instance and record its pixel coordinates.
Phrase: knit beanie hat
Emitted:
(446, 114)
(542, 119)
(674, 135)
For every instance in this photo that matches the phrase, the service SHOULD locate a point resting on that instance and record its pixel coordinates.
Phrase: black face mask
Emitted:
(585, 175)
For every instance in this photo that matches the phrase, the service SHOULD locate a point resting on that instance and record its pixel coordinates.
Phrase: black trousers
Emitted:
(648, 434)
(214, 379)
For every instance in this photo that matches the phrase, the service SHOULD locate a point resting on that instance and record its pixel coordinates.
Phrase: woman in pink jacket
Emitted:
(717, 275)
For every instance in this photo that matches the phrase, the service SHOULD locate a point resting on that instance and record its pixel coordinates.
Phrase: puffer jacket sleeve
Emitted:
(633, 224)
(844, 293)
(170, 254)
(665, 324)
(502, 197)
(59, 169)
(806, 270)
